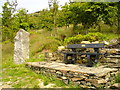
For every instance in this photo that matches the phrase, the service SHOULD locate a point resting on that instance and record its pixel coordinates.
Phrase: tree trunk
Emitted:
(86, 31)
(119, 17)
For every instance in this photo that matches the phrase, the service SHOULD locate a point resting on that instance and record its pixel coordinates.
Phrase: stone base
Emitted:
(86, 77)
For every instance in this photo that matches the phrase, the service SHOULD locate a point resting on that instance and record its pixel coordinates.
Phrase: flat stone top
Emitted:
(98, 71)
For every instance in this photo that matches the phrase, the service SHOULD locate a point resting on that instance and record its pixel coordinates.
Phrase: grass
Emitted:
(47, 40)
(110, 36)
(117, 78)
(18, 76)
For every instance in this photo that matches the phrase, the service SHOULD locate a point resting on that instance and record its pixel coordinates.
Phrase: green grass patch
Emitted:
(37, 58)
(19, 76)
(110, 36)
(117, 78)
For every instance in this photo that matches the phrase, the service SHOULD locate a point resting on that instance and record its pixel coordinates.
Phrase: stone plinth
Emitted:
(21, 46)
(86, 77)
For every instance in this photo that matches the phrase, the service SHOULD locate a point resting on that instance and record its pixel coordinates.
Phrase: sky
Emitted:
(32, 5)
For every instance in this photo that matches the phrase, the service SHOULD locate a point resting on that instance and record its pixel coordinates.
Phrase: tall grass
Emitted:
(47, 40)
(110, 36)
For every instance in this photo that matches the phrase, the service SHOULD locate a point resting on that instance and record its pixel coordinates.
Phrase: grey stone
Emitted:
(60, 48)
(105, 42)
(76, 79)
(96, 42)
(86, 76)
(113, 41)
(66, 81)
(49, 55)
(102, 81)
(89, 88)
(21, 47)
(58, 72)
(85, 42)
(64, 78)
(53, 59)
(76, 83)
(115, 86)
(70, 75)
(88, 84)
(83, 82)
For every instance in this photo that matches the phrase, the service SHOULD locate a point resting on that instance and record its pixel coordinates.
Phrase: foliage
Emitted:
(24, 26)
(8, 20)
(82, 15)
(91, 13)
(44, 40)
(109, 36)
(11, 21)
(89, 37)
(22, 19)
(117, 78)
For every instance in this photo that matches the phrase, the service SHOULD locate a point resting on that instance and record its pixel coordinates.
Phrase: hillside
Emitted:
(49, 29)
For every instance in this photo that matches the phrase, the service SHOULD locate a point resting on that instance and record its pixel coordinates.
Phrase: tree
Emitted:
(53, 4)
(118, 5)
(66, 16)
(80, 13)
(8, 20)
(22, 17)
(91, 13)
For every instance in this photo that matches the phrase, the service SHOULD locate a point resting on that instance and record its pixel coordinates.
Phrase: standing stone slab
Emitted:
(21, 46)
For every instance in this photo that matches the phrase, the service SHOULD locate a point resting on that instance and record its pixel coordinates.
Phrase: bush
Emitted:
(24, 26)
(74, 40)
(117, 78)
(94, 37)
(89, 37)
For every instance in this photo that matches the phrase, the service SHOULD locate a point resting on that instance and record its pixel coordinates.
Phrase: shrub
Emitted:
(74, 40)
(89, 37)
(117, 78)
(94, 37)
(24, 26)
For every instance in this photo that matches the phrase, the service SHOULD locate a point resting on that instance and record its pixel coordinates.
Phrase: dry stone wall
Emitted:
(85, 77)
(59, 56)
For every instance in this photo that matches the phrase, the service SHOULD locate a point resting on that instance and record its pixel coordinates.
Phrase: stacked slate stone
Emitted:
(85, 77)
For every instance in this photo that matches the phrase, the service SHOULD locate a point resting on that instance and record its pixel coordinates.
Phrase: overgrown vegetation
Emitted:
(117, 78)
(83, 16)
(75, 22)
(89, 37)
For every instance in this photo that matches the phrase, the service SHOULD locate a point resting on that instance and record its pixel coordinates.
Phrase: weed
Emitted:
(109, 36)
(117, 78)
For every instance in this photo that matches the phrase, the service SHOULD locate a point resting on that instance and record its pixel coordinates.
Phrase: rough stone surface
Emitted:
(60, 48)
(115, 86)
(85, 42)
(86, 77)
(105, 42)
(96, 42)
(21, 46)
